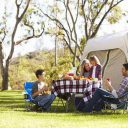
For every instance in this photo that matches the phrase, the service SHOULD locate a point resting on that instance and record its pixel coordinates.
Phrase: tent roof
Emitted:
(112, 41)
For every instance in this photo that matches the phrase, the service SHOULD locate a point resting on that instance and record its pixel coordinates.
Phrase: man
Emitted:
(39, 90)
(100, 94)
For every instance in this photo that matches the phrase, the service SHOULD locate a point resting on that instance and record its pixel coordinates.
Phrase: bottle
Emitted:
(72, 72)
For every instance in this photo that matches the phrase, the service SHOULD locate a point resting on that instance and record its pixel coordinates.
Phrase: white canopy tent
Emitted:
(112, 51)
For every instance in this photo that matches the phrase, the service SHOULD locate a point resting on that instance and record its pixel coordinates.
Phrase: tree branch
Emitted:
(20, 2)
(102, 19)
(85, 20)
(84, 2)
(67, 18)
(28, 2)
(30, 37)
(93, 20)
(31, 27)
(74, 25)
(18, 19)
(4, 36)
(70, 49)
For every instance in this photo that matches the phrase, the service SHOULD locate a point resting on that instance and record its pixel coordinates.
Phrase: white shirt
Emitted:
(94, 72)
(40, 86)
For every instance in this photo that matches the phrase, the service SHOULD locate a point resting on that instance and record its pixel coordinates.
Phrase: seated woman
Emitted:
(85, 68)
(96, 69)
(85, 72)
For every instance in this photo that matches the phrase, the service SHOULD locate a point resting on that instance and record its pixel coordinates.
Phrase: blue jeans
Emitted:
(45, 101)
(79, 103)
(98, 98)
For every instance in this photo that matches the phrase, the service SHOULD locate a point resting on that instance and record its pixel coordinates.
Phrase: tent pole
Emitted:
(103, 70)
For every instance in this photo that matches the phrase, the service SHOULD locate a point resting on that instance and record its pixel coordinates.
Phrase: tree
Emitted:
(85, 17)
(23, 19)
(69, 34)
(98, 12)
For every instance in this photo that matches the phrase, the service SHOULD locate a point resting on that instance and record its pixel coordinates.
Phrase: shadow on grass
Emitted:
(13, 101)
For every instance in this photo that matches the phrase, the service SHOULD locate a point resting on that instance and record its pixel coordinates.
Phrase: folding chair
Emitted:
(29, 101)
(117, 103)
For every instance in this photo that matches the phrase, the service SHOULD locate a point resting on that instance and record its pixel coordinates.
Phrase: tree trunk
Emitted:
(5, 76)
(74, 57)
(4, 70)
(55, 51)
(5, 79)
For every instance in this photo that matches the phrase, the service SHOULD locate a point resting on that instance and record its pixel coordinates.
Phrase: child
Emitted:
(95, 71)
(38, 91)
(85, 68)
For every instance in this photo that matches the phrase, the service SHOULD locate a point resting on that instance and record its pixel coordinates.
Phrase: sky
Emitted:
(47, 42)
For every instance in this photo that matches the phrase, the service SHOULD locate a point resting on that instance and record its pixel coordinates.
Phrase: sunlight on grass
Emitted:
(13, 115)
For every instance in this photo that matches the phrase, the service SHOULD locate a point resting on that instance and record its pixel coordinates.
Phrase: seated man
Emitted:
(100, 94)
(39, 92)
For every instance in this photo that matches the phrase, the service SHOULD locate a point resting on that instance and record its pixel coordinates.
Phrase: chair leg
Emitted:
(57, 105)
(60, 99)
(67, 104)
(125, 107)
(27, 105)
(63, 103)
(69, 101)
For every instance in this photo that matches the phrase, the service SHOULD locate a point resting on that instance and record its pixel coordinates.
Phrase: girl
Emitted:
(95, 71)
(85, 68)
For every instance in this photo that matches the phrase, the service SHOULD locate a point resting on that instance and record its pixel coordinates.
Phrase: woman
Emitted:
(85, 72)
(85, 68)
(96, 70)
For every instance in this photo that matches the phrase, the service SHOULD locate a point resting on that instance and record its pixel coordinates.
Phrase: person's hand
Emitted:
(106, 82)
(100, 77)
(41, 90)
(45, 88)
(50, 88)
(108, 85)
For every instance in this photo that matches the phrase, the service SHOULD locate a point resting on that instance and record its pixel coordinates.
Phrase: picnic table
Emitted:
(86, 87)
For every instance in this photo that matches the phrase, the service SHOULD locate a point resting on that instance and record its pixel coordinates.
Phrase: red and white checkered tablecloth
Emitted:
(85, 87)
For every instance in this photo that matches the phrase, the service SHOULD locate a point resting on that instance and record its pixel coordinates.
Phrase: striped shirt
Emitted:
(123, 87)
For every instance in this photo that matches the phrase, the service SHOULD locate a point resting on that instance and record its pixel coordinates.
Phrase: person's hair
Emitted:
(125, 66)
(85, 61)
(94, 58)
(39, 72)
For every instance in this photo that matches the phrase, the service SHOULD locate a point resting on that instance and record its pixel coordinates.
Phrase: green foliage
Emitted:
(33, 20)
(22, 69)
(115, 15)
(82, 43)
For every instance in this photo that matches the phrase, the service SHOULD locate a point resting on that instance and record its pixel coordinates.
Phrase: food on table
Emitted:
(67, 77)
(70, 74)
(76, 77)
(94, 79)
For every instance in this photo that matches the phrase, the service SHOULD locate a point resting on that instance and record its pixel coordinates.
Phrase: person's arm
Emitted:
(99, 72)
(111, 89)
(123, 87)
(108, 86)
(36, 92)
(81, 71)
(121, 90)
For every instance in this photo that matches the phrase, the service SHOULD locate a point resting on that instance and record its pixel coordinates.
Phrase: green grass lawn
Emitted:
(13, 115)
